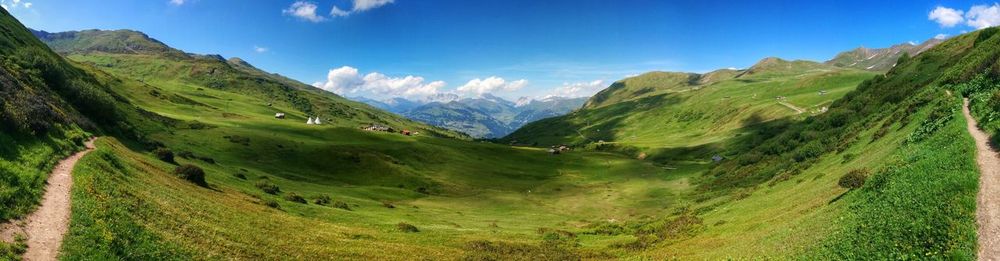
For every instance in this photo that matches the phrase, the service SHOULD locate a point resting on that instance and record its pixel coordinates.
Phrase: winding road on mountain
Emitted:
(46, 227)
(987, 209)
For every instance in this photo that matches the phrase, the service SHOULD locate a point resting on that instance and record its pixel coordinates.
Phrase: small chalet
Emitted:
(279, 115)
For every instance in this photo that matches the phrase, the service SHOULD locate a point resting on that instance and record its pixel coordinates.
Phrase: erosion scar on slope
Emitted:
(46, 227)
(988, 200)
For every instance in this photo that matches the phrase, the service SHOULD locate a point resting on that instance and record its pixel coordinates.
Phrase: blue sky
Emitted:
(511, 48)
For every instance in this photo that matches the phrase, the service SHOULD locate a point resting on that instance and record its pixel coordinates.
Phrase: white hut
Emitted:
(310, 122)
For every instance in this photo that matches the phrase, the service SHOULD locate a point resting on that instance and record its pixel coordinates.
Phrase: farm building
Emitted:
(279, 115)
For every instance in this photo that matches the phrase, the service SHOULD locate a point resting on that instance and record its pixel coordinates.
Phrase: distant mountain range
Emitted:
(487, 116)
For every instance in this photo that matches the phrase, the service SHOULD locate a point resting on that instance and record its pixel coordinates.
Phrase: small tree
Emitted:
(191, 173)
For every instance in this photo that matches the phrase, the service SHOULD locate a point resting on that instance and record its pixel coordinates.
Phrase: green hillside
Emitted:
(657, 115)
(135, 56)
(281, 189)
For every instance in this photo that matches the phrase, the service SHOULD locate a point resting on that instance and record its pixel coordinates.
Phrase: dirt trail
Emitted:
(988, 201)
(793, 107)
(46, 227)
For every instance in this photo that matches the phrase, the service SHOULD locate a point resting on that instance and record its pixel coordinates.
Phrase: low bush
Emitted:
(192, 173)
(240, 176)
(341, 205)
(406, 227)
(322, 200)
(164, 154)
(294, 197)
(271, 204)
(853, 179)
(268, 187)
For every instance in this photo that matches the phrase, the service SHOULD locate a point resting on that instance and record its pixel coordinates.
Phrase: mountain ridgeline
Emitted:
(487, 116)
(121, 52)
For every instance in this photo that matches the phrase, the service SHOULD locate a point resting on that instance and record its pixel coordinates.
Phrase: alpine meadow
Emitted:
(499, 130)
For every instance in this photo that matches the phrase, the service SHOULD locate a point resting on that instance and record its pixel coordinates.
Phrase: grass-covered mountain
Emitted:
(694, 114)
(136, 56)
(280, 189)
(482, 117)
(880, 59)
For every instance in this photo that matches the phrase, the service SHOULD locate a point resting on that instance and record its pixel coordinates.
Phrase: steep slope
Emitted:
(134, 55)
(879, 59)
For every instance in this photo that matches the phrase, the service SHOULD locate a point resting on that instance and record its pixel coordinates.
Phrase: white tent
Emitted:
(317, 121)
(310, 122)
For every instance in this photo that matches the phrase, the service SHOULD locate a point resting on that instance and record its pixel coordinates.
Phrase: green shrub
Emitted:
(185, 154)
(405, 227)
(165, 155)
(272, 204)
(853, 179)
(322, 200)
(294, 197)
(192, 173)
(341, 205)
(240, 176)
(387, 204)
(268, 187)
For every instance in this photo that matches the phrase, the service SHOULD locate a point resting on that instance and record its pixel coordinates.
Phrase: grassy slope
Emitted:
(127, 205)
(702, 116)
(455, 192)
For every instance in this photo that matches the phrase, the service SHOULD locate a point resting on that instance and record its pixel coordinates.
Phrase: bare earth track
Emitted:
(988, 201)
(46, 227)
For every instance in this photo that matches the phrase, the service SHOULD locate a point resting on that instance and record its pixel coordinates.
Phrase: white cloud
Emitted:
(305, 11)
(364, 5)
(177, 2)
(336, 12)
(259, 49)
(11, 5)
(941, 36)
(946, 17)
(983, 16)
(492, 84)
(359, 6)
(346, 79)
(580, 89)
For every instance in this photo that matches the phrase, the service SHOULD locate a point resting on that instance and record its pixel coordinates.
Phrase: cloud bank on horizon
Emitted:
(349, 81)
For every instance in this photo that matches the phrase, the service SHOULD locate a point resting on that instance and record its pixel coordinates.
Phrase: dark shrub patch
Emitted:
(405, 227)
(192, 173)
(294, 197)
(387, 204)
(240, 176)
(238, 139)
(322, 200)
(207, 160)
(341, 205)
(165, 155)
(272, 204)
(853, 179)
(268, 187)
(185, 154)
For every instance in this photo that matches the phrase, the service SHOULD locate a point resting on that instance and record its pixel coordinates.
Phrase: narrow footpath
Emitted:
(46, 227)
(988, 200)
